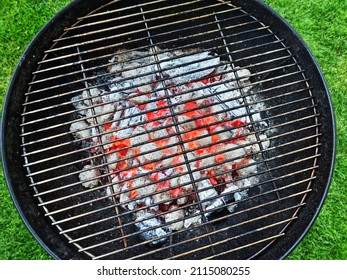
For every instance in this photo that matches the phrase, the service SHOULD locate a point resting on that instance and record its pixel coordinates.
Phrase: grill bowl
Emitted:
(24, 196)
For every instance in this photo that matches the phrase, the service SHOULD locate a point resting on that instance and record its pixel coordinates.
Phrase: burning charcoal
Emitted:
(238, 195)
(163, 197)
(182, 181)
(234, 154)
(169, 171)
(223, 134)
(112, 160)
(143, 83)
(249, 147)
(252, 143)
(143, 186)
(100, 114)
(138, 98)
(181, 65)
(166, 162)
(160, 133)
(120, 88)
(205, 141)
(230, 77)
(116, 68)
(199, 95)
(152, 228)
(243, 75)
(174, 216)
(116, 185)
(118, 118)
(88, 176)
(124, 57)
(79, 104)
(140, 136)
(152, 153)
(113, 96)
(219, 202)
(91, 96)
(193, 220)
(183, 199)
(133, 117)
(248, 170)
(206, 192)
(219, 116)
(106, 113)
(106, 138)
(185, 123)
(124, 197)
(124, 133)
(182, 97)
(80, 130)
(207, 163)
(130, 65)
(264, 142)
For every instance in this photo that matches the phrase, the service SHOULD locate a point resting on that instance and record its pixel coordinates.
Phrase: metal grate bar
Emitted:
(84, 43)
(149, 111)
(207, 234)
(118, 26)
(145, 56)
(140, 48)
(42, 150)
(107, 170)
(150, 141)
(108, 12)
(285, 187)
(228, 216)
(157, 204)
(271, 238)
(96, 146)
(264, 119)
(221, 173)
(252, 85)
(272, 138)
(288, 123)
(103, 66)
(269, 118)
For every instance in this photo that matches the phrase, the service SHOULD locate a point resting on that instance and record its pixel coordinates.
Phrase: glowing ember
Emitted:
(174, 133)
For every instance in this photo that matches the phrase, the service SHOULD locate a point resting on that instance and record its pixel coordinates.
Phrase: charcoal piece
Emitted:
(151, 229)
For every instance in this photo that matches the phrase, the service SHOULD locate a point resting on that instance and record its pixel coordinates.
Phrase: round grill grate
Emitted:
(119, 60)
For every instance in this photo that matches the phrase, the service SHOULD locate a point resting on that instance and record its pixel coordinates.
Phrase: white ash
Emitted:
(175, 214)
(177, 63)
(234, 153)
(193, 220)
(134, 116)
(140, 136)
(206, 192)
(250, 168)
(143, 186)
(151, 227)
(100, 114)
(80, 130)
(149, 152)
(89, 175)
(112, 161)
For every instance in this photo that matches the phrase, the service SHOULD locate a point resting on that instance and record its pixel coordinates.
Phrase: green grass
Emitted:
(20, 20)
(322, 24)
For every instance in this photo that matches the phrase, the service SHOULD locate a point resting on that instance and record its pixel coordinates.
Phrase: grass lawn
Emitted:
(322, 24)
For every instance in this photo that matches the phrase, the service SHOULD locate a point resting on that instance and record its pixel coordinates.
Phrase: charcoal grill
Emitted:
(42, 160)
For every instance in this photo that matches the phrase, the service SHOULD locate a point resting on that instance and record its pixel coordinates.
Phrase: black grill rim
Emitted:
(17, 183)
